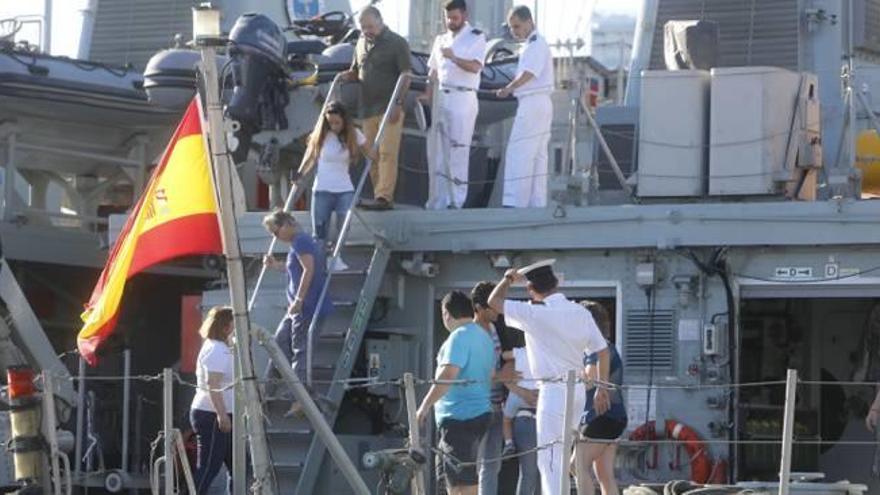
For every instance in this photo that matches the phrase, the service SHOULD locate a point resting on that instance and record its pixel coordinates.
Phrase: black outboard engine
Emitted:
(258, 51)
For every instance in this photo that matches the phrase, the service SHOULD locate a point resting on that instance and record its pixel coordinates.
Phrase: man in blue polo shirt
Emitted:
(462, 411)
(305, 269)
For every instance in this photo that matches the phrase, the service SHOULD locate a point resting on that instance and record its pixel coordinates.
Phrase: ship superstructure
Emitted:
(747, 246)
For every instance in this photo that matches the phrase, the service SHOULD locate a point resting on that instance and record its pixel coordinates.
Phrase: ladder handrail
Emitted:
(346, 224)
(295, 190)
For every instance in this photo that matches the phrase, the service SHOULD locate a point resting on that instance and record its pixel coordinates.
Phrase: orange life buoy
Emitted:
(647, 432)
(701, 466)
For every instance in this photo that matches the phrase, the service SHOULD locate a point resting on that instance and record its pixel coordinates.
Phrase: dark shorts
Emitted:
(461, 440)
(603, 428)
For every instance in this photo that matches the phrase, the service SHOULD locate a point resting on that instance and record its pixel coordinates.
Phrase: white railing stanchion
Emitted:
(567, 432)
(418, 481)
(167, 429)
(787, 431)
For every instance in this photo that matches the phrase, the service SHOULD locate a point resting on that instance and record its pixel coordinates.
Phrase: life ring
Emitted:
(645, 433)
(701, 465)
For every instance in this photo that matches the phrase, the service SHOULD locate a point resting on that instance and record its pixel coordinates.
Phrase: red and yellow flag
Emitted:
(176, 216)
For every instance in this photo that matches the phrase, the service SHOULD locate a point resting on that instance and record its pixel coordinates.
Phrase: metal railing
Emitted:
(294, 193)
(346, 224)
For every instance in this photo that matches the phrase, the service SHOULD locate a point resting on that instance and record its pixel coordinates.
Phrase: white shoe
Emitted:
(339, 266)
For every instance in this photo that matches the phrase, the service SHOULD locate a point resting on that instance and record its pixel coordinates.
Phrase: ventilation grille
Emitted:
(752, 32)
(644, 345)
(132, 31)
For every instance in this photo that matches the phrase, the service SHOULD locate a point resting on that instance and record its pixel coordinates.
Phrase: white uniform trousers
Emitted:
(550, 417)
(525, 169)
(449, 146)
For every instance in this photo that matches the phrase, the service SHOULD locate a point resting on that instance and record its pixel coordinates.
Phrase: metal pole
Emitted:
(313, 414)
(223, 167)
(126, 414)
(46, 41)
(80, 418)
(787, 431)
(288, 203)
(138, 419)
(867, 106)
(184, 465)
(621, 47)
(418, 482)
(9, 201)
(615, 167)
(49, 430)
(93, 442)
(167, 429)
(567, 432)
(343, 231)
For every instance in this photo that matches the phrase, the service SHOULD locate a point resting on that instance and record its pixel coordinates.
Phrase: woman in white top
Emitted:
(211, 410)
(334, 146)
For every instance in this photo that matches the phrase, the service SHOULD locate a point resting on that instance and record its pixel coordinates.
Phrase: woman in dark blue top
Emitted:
(597, 447)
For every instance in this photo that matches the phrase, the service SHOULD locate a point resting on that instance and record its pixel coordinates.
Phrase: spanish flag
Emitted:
(176, 216)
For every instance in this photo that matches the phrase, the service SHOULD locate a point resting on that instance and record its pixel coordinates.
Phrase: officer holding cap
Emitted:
(558, 333)
(525, 169)
(456, 61)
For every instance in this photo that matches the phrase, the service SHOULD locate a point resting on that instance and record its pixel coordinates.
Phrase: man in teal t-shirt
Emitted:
(461, 411)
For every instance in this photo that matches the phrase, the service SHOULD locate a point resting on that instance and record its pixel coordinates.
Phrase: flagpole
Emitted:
(222, 169)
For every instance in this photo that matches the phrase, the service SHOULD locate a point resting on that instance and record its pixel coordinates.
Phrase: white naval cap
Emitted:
(538, 270)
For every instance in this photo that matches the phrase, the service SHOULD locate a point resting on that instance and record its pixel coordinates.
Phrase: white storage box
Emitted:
(673, 133)
(752, 111)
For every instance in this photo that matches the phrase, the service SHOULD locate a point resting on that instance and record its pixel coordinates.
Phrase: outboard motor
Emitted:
(258, 51)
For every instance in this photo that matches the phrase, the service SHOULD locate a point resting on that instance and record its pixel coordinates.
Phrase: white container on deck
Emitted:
(752, 111)
(673, 123)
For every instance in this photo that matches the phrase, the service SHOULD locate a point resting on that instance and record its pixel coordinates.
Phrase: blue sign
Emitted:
(303, 9)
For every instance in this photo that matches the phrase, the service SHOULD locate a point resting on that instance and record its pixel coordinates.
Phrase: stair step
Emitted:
(287, 464)
(332, 335)
(296, 430)
(350, 272)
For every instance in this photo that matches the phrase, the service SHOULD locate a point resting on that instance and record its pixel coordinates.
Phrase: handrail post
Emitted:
(80, 419)
(126, 409)
(418, 481)
(167, 425)
(50, 430)
(567, 433)
(343, 231)
(787, 431)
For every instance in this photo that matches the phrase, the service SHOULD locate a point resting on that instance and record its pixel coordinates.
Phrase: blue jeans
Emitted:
(292, 337)
(324, 203)
(214, 449)
(490, 448)
(525, 436)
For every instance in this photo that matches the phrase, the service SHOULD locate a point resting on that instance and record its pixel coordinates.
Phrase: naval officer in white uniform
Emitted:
(558, 332)
(456, 61)
(525, 169)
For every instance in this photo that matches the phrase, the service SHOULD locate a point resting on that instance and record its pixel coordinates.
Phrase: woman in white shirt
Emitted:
(333, 146)
(211, 410)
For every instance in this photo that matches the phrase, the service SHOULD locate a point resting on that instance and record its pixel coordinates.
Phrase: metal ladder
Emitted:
(297, 452)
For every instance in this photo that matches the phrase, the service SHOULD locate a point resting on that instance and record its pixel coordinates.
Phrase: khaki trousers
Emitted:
(383, 174)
